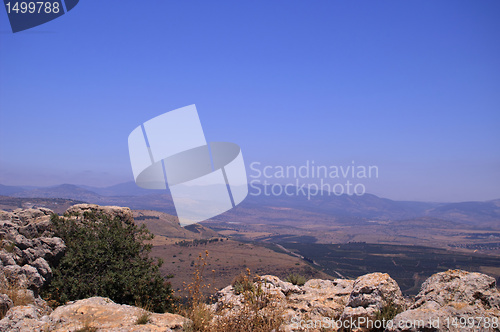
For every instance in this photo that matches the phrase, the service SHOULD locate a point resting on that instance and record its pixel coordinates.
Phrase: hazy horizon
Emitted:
(157, 191)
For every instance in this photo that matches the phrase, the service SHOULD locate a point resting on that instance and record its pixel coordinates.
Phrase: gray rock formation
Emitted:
(5, 303)
(370, 294)
(445, 299)
(318, 299)
(27, 245)
(454, 300)
(123, 213)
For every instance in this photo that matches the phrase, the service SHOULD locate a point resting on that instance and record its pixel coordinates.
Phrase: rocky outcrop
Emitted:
(454, 300)
(449, 301)
(27, 244)
(27, 247)
(123, 213)
(92, 314)
(318, 299)
(370, 294)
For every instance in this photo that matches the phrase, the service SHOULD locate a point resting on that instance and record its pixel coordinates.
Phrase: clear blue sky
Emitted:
(410, 86)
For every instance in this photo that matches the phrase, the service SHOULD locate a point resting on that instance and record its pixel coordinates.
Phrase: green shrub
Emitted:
(296, 279)
(107, 257)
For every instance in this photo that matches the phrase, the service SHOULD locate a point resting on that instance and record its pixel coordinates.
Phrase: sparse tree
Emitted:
(107, 257)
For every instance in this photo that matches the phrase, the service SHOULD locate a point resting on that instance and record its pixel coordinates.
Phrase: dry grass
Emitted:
(18, 294)
(201, 317)
(144, 318)
(244, 282)
(145, 315)
(261, 310)
(195, 307)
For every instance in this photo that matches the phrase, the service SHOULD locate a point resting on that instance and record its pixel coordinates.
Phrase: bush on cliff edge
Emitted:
(107, 257)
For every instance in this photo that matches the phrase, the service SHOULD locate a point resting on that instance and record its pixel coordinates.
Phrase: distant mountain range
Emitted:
(365, 207)
(122, 189)
(126, 194)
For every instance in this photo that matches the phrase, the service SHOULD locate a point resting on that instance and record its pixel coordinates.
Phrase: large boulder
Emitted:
(317, 301)
(470, 288)
(370, 294)
(454, 300)
(96, 313)
(32, 216)
(104, 314)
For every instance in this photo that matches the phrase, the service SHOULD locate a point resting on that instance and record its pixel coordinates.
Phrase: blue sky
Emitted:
(410, 86)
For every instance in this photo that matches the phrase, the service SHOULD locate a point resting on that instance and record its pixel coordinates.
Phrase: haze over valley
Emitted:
(340, 236)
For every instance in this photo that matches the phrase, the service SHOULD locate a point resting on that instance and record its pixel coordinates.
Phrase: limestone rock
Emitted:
(285, 287)
(6, 258)
(448, 299)
(23, 319)
(106, 315)
(5, 303)
(226, 298)
(370, 294)
(33, 278)
(26, 236)
(32, 215)
(43, 268)
(319, 300)
(15, 275)
(459, 286)
(124, 213)
(27, 247)
(48, 248)
(96, 312)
